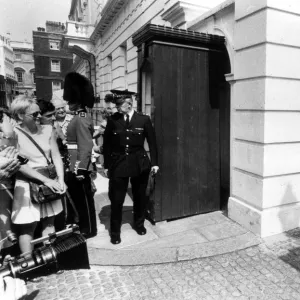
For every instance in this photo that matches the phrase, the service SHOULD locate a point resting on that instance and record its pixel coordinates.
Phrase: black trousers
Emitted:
(117, 193)
(83, 198)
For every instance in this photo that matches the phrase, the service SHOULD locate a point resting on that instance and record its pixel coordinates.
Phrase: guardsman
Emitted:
(79, 94)
(125, 157)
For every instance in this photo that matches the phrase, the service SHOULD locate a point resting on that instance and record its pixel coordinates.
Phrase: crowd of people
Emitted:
(34, 134)
(50, 145)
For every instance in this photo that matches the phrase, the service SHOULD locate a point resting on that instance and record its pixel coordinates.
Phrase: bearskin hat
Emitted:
(78, 89)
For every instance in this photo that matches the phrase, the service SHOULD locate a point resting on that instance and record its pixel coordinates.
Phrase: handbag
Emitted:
(41, 193)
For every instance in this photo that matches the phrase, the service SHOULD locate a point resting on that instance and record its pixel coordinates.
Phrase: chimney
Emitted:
(55, 27)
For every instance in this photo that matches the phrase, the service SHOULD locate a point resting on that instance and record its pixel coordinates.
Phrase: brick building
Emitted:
(52, 61)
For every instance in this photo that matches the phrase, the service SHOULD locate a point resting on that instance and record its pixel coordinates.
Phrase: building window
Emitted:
(55, 65)
(19, 76)
(54, 45)
(56, 85)
(18, 56)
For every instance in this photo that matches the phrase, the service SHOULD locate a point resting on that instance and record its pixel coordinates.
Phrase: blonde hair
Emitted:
(20, 104)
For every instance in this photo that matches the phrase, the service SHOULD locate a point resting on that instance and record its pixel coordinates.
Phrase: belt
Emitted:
(72, 146)
(127, 150)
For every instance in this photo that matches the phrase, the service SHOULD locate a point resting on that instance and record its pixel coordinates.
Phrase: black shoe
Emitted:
(115, 239)
(141, 230)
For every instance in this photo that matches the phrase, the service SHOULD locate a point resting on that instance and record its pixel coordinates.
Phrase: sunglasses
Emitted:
(34, 115)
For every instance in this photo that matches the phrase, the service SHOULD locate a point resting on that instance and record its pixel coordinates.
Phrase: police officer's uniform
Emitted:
(80, 143)
(124, 157)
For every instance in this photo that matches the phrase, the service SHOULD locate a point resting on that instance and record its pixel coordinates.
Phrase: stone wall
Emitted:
(266, 151)
(115, 54)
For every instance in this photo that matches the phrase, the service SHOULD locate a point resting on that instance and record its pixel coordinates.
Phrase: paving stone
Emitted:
(175, 240)
(221, 230)
(218, 247)
(168, 228)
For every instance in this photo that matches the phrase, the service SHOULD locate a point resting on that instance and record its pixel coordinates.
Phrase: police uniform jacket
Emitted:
(123, 147)
(80, 141)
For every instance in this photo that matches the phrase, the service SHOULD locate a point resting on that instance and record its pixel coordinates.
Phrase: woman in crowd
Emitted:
(9, 165)
(25, 213)
(63, 118)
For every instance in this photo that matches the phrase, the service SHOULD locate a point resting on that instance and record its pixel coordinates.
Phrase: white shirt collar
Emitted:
(130, 114)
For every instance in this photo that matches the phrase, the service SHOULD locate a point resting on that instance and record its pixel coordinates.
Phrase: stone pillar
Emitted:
(118, 69)
(266, 137)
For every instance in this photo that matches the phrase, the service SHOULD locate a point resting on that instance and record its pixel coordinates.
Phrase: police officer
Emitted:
(124, 157)
(79, 94)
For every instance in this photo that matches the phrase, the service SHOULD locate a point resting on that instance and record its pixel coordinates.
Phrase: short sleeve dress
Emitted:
(23, 210)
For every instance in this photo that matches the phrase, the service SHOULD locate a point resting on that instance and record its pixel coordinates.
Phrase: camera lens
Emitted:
(11, 236)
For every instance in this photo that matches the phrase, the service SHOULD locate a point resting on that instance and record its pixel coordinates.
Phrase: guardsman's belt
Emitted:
(72, 146)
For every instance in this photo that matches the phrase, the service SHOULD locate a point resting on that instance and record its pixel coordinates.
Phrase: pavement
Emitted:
(183, 239)
(197, 258)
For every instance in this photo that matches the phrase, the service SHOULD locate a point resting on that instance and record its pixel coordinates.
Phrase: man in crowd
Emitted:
(124, 158)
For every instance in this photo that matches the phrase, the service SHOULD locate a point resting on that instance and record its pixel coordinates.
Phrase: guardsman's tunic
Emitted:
(124, 157)
(80, 143)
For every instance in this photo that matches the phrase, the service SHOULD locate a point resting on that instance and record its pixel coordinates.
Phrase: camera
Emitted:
(60, 251)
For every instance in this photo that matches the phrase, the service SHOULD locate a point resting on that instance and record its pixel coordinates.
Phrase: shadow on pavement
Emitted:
(104, 216)
(32, 295)
(290, 249)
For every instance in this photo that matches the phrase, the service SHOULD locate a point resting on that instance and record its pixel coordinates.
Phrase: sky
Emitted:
(21, 17)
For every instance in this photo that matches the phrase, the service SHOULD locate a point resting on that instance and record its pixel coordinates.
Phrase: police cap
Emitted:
(118, 97)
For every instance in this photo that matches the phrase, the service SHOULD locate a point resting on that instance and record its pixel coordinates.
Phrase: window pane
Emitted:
(56, 85)
(55, 65)
(19, 76)
(54, 45)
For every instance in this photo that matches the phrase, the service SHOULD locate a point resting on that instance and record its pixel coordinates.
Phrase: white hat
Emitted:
(57, 99)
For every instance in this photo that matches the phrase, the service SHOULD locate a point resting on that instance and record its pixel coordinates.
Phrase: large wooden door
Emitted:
(187, 128)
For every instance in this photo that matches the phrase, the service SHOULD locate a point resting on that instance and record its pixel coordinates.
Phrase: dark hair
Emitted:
(45, 106)
(4, 110)
(106, 113)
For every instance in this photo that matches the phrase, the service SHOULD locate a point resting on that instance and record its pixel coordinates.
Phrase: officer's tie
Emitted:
(127, 120)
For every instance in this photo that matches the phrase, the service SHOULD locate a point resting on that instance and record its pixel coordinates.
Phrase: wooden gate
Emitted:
(178, 86)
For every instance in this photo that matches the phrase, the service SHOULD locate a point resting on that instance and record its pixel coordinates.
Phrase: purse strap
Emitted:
(35, 143)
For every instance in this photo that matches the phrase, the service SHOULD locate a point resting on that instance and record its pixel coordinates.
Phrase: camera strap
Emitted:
(35, 143)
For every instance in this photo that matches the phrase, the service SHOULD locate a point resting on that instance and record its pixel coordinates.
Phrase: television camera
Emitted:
(60, 250)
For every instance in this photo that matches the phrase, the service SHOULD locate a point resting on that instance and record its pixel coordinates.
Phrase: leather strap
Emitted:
(35, 143)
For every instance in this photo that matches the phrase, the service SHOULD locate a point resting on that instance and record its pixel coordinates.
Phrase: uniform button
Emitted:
(127, 146)
(127, 138)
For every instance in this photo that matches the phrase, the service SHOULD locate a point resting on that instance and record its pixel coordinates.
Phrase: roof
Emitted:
(152, 32)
